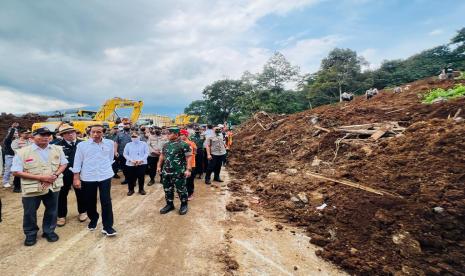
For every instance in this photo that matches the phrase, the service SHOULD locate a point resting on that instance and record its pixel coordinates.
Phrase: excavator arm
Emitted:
(109, 107)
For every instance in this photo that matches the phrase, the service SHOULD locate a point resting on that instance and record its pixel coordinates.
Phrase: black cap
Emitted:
(42, 130)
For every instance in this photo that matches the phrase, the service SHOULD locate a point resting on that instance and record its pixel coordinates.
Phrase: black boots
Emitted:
(168, 208)
(183, 209)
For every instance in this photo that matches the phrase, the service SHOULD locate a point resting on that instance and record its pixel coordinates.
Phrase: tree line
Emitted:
(280, 87)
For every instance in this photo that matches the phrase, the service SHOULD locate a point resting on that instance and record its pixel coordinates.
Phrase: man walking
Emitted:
(175, 157)
(198, 140)
(9, 154)
(122, 138)
(92, 166)
(155, 142)
(69, 145)
(216, 152)
(40, 167)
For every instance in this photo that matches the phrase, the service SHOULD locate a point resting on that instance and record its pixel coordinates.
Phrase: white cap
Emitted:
(220, 125)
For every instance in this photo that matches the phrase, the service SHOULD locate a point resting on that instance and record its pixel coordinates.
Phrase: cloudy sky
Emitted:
(62, 54)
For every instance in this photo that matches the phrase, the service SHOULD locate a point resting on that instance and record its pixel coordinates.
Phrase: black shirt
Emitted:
(69, 150)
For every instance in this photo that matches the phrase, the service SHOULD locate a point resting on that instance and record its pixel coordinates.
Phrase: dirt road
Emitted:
(151, 244)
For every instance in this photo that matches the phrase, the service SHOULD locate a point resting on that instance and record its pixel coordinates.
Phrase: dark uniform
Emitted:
(198, 140)
(70, 150)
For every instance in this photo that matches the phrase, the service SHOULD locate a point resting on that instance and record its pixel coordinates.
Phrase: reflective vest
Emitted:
(33, 164)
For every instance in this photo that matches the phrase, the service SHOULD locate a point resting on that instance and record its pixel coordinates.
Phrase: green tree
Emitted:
(199, 108)
(339, 72)
(222, 98)
(276, 73)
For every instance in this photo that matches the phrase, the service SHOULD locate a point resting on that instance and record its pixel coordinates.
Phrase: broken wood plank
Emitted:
(380, 132)
(357, 131)
(397, 110)
(322, 128)
(353, 184)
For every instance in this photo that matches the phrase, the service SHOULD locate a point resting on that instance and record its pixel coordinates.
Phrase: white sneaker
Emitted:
(7, 185)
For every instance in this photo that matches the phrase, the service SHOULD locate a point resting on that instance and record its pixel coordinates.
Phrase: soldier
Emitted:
(176, 159)
(40, 167)
(198, 139)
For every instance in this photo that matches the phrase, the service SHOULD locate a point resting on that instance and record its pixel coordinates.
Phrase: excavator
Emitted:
(184, 119)
(106, 115)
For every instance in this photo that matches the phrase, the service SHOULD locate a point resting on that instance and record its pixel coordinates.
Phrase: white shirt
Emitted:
(43, 154)
(136, 151)
(208, 133)
(93, 160)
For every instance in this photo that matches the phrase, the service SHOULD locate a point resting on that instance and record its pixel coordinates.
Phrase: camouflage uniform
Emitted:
(174, 166)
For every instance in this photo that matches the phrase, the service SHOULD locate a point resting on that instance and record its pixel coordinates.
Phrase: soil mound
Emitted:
(395, 199)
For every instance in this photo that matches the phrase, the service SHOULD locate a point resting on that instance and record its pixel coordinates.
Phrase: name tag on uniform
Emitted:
(29, 160)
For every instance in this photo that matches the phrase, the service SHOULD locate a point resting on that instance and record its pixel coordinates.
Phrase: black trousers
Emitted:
(90, 191)
(190, 183)
(115, 165)
(122, 165)
(63, 196)
(214, 166)
(136, 174)
(205, 161)
(198, 163)
(152, 162)
(30, 206)
(17, 183)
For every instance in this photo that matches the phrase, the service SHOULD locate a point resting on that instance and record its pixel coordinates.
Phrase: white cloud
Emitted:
(436, 32)
(309, 52)
(16, 102)
(162, 53)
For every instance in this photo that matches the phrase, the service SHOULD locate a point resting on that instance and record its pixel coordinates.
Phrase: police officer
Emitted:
(175, 158)
(40, 167)
(216, 152)
(69, 144)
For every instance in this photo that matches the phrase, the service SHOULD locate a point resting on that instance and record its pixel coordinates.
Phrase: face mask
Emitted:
(157, 132)
(135, 139)
(218, 131)
(127, 128)
(142, 129)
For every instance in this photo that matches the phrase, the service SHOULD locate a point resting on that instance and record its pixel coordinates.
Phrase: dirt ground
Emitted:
(207, 241)
(418, 231)
(25, 122)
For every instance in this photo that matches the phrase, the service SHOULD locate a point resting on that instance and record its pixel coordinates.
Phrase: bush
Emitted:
(457, 91)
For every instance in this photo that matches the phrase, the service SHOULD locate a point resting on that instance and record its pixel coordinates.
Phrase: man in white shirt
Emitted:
(92, 170)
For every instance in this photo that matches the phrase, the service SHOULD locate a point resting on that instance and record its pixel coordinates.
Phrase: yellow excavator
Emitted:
(84, 118)
(184, 119)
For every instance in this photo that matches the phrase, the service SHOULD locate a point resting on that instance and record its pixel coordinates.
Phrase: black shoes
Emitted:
(183, 209)
(142, 192)
(110, 232)
(92, 225)
(30, 241)
(16, 190)
(151, 182)
(168, 208)
(130, 193)
(207, 181)
(51, 237)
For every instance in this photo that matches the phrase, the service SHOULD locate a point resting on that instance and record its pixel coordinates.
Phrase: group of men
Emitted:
(47, 163)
